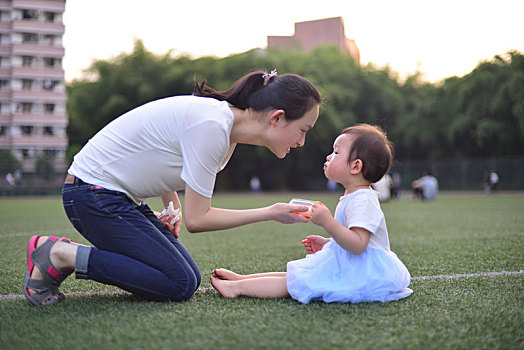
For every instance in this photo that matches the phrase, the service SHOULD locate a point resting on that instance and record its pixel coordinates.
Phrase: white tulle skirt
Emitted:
(335, 275)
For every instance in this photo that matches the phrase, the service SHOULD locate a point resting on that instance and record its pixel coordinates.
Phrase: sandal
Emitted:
(54, 288)
(46, 288)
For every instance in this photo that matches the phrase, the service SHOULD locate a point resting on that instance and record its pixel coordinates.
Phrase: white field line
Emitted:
(465, 275)
(205, 289)
(57, 232)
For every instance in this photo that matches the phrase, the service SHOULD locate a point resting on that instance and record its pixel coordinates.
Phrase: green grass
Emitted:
(457, 234)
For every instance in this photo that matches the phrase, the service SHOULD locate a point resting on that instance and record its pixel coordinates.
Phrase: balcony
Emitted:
(40, 141)
(37, 49)
(41, 72)
(56, 28)
(37, 95)
(57, 119)
(56, 6)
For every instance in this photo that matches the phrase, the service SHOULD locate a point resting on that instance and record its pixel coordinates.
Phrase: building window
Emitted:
(30, 14)
(27, 153)
(5, 62)
(4, 130)
(27, 61)
(49, 108)
(27, 84)
(49, 39)
(49, 85)
(5, 108)
(29, 38)
(50, 62)
(51, 153)
(24, 107)
(27, 129)
(4, 84)
(49, 130)
(49, 16)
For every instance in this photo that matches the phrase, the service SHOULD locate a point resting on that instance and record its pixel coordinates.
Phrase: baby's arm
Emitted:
(354, 240)
(314, 243)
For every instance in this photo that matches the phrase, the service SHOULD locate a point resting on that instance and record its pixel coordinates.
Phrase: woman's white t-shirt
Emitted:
(160, 147)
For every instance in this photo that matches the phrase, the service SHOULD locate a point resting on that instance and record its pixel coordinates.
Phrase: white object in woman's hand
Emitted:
(287, 213)
(170, 216)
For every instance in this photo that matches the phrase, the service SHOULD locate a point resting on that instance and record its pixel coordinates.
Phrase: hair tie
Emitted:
(267, 77)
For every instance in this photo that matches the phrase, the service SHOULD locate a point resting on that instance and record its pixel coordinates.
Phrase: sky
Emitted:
(439, 39)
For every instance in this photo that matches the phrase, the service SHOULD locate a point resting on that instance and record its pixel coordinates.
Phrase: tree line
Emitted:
(479, 114)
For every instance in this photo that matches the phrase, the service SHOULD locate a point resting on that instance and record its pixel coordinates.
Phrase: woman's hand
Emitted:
(289, 214)
(172, 209)
(314, 243)
(166, 219)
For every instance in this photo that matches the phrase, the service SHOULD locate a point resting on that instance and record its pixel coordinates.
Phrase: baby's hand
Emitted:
(320, 214)
(314, 243)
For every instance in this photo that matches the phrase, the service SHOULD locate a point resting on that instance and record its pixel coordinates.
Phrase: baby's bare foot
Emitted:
(223, 287)
(225, 274)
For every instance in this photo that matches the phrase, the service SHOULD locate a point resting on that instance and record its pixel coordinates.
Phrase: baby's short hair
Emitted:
(370, 145)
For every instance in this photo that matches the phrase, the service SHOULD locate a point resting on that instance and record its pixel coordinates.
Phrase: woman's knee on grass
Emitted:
(184, 288)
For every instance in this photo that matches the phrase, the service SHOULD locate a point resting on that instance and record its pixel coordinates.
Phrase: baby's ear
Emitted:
(356, 166)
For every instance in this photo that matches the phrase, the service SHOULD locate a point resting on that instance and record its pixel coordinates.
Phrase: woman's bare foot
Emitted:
(225, 274)
(224, 287)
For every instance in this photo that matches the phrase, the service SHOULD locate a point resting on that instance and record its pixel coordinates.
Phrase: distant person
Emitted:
(18, 176)
(425, 188)
(10, 179)
(383, 187)
(155, 150)
(331, 186)
(254, 184)
(493, 180)
(356, 264)
(396, 185)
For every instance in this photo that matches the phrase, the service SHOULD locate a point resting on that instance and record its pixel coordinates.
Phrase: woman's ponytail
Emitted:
(263, 91)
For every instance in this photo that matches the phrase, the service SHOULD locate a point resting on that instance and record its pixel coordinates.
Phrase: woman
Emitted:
(155, 150)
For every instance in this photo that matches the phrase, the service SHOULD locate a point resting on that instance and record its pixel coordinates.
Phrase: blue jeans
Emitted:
(132, 250)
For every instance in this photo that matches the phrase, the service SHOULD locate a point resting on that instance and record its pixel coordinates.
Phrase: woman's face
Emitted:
(292, 134)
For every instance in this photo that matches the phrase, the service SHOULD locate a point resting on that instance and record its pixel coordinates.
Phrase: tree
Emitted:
(45, 168)
(484, 110)
(9, 163)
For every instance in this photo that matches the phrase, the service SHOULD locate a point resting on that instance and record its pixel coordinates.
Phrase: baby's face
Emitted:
(336, 167)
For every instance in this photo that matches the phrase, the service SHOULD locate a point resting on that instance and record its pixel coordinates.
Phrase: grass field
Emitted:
(443, 243)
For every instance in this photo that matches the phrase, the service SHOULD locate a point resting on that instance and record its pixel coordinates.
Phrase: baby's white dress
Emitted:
(336, 275)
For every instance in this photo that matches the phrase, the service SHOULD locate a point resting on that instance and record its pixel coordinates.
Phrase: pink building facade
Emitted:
(312, 33)
(33, 97)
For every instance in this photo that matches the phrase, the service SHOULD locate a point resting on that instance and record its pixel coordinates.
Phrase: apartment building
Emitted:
(33, 117)
(313, 33)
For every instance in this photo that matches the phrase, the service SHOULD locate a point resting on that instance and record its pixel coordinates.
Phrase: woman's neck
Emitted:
(246, 128)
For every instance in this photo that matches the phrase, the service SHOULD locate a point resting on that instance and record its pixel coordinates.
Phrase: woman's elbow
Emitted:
(192, 225)
(192, 228)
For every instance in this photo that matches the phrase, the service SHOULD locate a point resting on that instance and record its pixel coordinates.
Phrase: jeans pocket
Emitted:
(72, 214)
